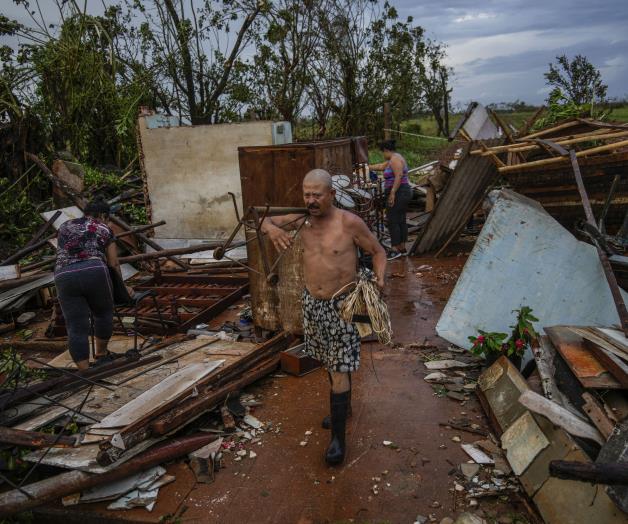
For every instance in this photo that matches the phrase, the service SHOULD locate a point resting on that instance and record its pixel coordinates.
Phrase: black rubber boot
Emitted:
(326, 424)
(327, 420)
(336, 449)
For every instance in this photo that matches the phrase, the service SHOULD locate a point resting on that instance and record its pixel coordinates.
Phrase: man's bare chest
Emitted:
(329, 242)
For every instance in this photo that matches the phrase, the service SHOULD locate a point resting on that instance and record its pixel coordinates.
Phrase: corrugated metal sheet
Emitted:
(524, 257)
(460, 198)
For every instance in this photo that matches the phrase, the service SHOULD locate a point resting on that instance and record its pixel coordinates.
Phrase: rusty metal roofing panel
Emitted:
(463, 193)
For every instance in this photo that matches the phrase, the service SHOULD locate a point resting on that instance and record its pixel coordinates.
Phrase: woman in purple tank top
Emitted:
(398, 195)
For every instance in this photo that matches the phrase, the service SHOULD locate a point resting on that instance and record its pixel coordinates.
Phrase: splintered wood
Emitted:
(137, 396)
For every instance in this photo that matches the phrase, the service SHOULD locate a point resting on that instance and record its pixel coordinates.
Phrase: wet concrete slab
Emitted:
(291, 483)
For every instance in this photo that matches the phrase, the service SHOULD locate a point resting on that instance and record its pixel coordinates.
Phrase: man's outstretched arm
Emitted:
(276, 227)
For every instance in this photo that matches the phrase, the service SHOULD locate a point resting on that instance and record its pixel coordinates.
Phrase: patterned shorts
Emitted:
(328, 338)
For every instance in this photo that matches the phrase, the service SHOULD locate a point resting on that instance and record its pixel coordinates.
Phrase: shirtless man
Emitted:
(330, 240)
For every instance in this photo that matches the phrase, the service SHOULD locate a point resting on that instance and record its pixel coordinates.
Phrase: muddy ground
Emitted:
(290, 483)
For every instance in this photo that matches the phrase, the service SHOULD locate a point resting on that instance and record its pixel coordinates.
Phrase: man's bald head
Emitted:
(318, 192)
(318, 176)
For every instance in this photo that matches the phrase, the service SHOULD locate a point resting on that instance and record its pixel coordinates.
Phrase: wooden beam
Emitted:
(564, 159)
(615, 365)
(35, 439)
(522, 147)
(560, 416)
(552, 129)
(595, 411)
(615, 473)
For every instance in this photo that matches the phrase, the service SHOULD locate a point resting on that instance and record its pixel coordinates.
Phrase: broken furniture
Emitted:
(174, 303)
(296, 361)
(273, 176)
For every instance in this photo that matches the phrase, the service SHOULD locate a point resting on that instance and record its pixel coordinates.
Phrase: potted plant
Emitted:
(493, 344)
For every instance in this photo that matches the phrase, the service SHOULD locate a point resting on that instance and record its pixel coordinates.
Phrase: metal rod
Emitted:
(277, 211)
(243, 265)
(141, 229)
(66, 372)
(15, 486)
(607, 204)
(59, 435)
(73, 410)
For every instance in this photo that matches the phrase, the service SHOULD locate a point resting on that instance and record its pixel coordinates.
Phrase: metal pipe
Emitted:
(278, 211)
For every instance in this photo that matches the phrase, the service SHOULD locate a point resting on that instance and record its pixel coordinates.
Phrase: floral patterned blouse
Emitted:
(82, 239)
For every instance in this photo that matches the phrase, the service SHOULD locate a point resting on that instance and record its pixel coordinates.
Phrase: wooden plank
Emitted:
(561, 160)
(596, 413)
(592, 336)
(166, 391)
(614, 336)
(214, 309)
(587, 369)
(617, 367)
(560, 416)
(477, 454)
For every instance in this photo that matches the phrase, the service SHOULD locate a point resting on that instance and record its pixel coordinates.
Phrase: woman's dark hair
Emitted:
(388, 145)
(98, 206)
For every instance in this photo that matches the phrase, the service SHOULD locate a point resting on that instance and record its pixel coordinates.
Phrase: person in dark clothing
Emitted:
(398, 195)
(85, 249)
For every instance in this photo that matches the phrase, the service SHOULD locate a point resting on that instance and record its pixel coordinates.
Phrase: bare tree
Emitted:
(191, 49)
(284, 52)
(434, 80)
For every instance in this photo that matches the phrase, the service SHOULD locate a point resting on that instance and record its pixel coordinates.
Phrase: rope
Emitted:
(366, 299)
(415, 134)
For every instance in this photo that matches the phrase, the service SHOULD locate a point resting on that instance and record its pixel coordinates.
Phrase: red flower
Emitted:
(480, 339)
(92, 228)
(519, 343)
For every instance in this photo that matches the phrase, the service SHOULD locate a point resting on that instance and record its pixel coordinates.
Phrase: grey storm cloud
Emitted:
(499, 49)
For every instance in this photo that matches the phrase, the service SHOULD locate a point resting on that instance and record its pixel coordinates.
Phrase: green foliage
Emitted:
(136, 214)
(578, 81)
(559, 108)
(522, 335)
(577, 91)
(97, 178)
(14, 370)
(19, 214)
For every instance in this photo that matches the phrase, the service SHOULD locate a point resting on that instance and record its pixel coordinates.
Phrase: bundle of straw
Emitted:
(366, 299)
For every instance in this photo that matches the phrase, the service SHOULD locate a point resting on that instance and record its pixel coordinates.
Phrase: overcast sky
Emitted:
(499, 49)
